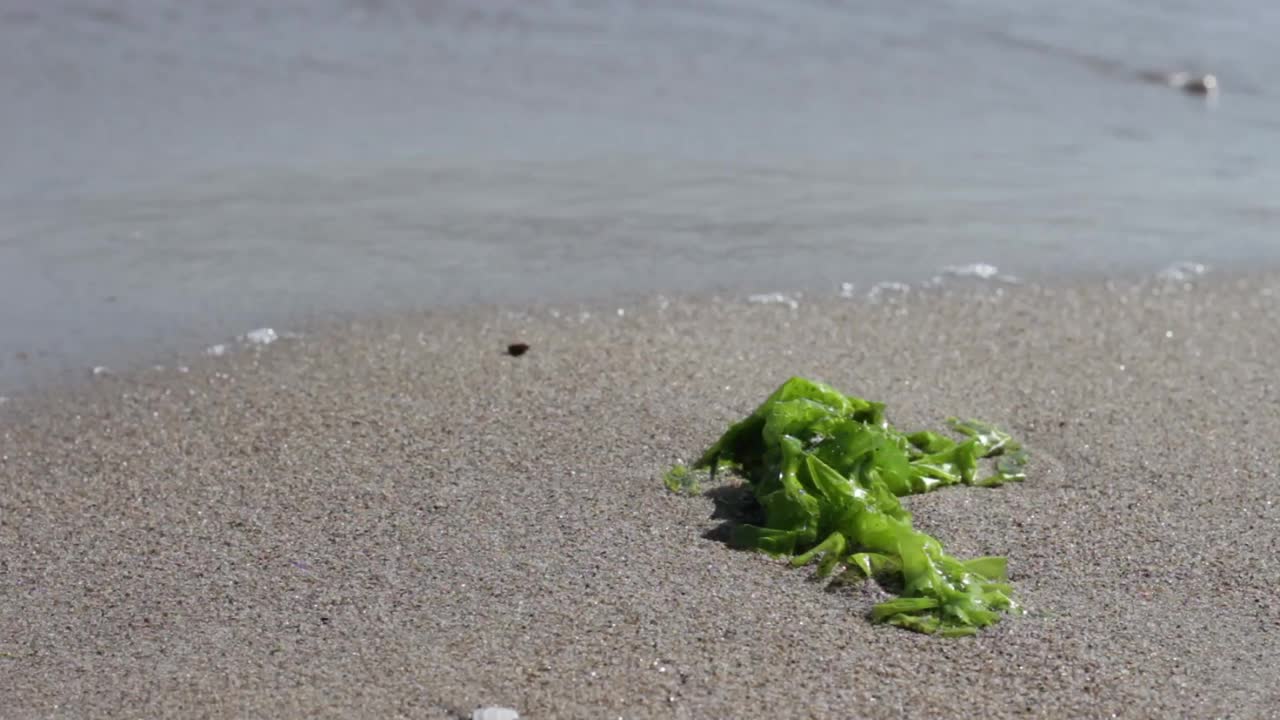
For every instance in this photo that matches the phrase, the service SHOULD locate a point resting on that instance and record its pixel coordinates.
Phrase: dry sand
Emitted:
(396, 519)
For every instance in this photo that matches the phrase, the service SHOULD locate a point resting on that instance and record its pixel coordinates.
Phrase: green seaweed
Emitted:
(827, 469)
(682, 482)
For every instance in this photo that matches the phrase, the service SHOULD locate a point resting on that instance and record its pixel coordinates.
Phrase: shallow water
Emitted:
(178, 173)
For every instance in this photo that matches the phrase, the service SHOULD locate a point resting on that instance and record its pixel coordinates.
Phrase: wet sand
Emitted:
(397, 519)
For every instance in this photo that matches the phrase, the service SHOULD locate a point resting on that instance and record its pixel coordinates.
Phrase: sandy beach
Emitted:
(394, 518)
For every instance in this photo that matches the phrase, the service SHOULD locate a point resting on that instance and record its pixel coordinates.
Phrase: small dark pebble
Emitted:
(517, 349)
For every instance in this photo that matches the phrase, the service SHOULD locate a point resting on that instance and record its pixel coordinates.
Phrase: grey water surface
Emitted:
(173, 173)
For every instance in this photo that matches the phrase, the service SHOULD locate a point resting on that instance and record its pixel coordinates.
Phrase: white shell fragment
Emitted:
(495, 713)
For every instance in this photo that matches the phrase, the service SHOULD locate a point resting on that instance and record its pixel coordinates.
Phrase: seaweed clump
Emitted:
(827, 470)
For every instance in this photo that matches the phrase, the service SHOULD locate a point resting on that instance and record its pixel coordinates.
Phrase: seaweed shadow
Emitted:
(735, 505)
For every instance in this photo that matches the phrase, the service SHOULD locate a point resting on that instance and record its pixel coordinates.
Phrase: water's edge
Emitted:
(25, 375)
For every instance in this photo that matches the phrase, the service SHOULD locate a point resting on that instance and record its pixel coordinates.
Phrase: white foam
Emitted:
(495, 713)
(775, 298)
(1183, 271)
(847, 289)
(881, 289)
(979, 270)
(982, 271)
(261, 336)
(100, 370)
(216, 350)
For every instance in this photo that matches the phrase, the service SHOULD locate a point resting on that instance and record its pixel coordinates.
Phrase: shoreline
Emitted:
(43, 371)
(395, 517)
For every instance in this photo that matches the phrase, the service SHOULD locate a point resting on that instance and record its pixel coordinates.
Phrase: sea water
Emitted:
(175, 173)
